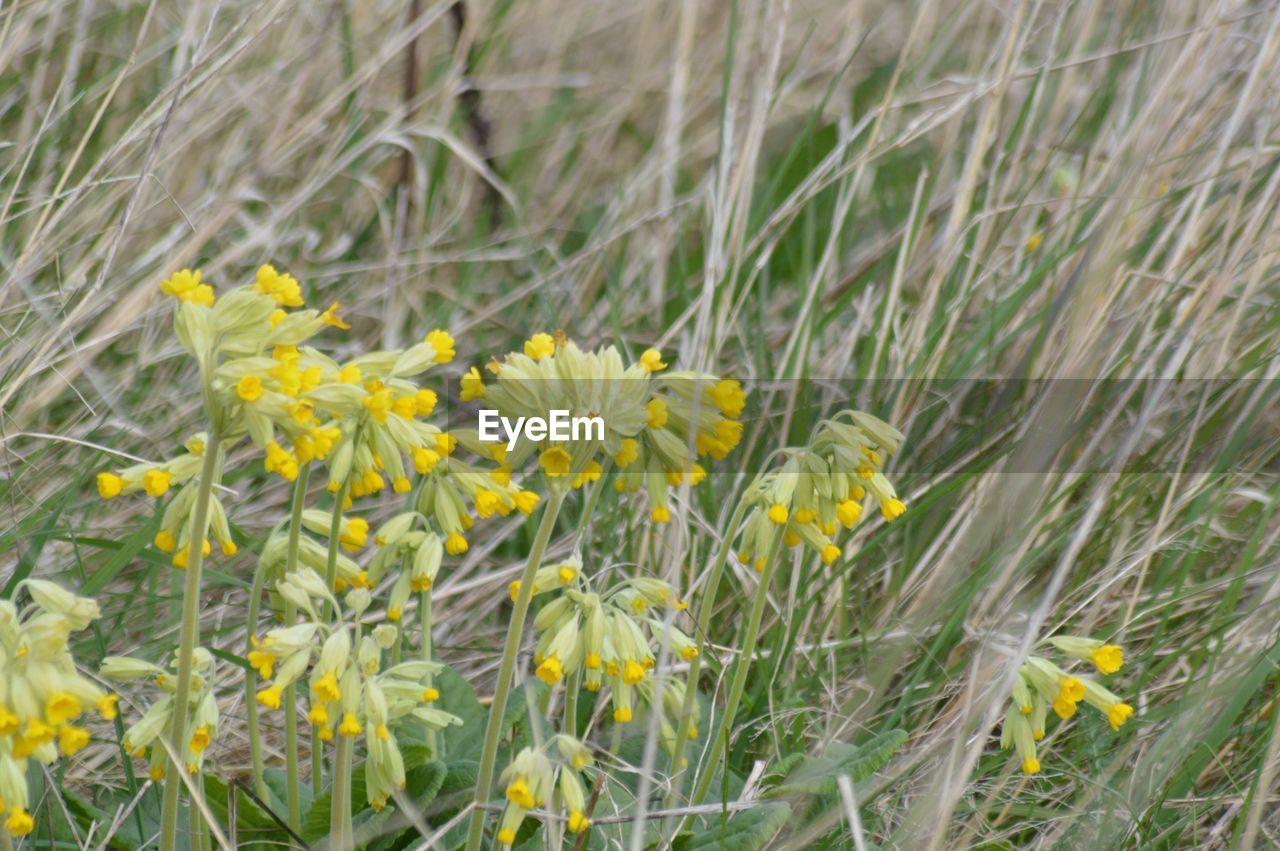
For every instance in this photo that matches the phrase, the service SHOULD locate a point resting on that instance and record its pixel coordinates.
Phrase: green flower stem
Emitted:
(340, 802)
(209, 472)
(424, 618)
(290, 616)
(335, 537)
(705, 610)
(484, 781)
(571, 689)
(721, 738)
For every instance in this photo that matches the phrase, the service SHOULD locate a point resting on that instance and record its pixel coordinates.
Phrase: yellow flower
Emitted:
(264, 663)
(107, 706)
(249, 388)
(156, 482)
(72, 739)
(472, 385)
(519, 793)
(349, 727)
(20, 822)
(1109, 658)
(628, 452)
(578, 822)
(506, 836)
(200, 739)
(651, 360)
(61, 707)
(1031, 765)
(455, 544)
(848, 513)
(729, 397)
(349, 374)
(430, 695)
(830, 553)
(550, 671)
(318, 716)
(892, 509)
(660, 514)
(656, 408)
(284, 288)
(330, 317)
(270, 696)
(109, 485)
(185, 285)
(425, 460)
(555, 462)
(443, 345)
(526, 502)
(778, 513)
(1118, 714)
(540, 346)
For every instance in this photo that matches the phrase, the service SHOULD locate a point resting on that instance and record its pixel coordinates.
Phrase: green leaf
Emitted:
(817, 775)
(744, 830)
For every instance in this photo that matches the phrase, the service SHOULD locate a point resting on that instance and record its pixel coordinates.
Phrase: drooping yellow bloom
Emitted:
(109, 485)
(156, 482)
(555, 462)
(443, 344)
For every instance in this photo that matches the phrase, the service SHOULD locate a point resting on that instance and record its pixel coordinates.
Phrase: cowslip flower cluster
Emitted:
(1041, 685)
(449, 482)
(608, 638)
(415, 552)
(202, 716)
(650, 422)
(350, 693)
(821, 488)
(536, 775)
(42, 695)
(255, 373)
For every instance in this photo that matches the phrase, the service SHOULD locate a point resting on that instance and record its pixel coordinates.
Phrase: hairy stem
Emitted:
(484, 781)
(190, 635)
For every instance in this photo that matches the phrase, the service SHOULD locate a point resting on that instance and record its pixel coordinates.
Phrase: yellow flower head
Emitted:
(540, 346)
(442, 342)
(651, 360)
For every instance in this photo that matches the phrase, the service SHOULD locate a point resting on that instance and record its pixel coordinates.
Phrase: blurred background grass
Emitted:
(855, 191)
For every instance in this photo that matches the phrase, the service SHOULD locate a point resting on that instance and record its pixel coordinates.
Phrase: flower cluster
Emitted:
(350, 692)
(149, 731)
(41, 693)
(822, 487)
(655, 427)
(1041, 685)
(608, 638)
(538, 774)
